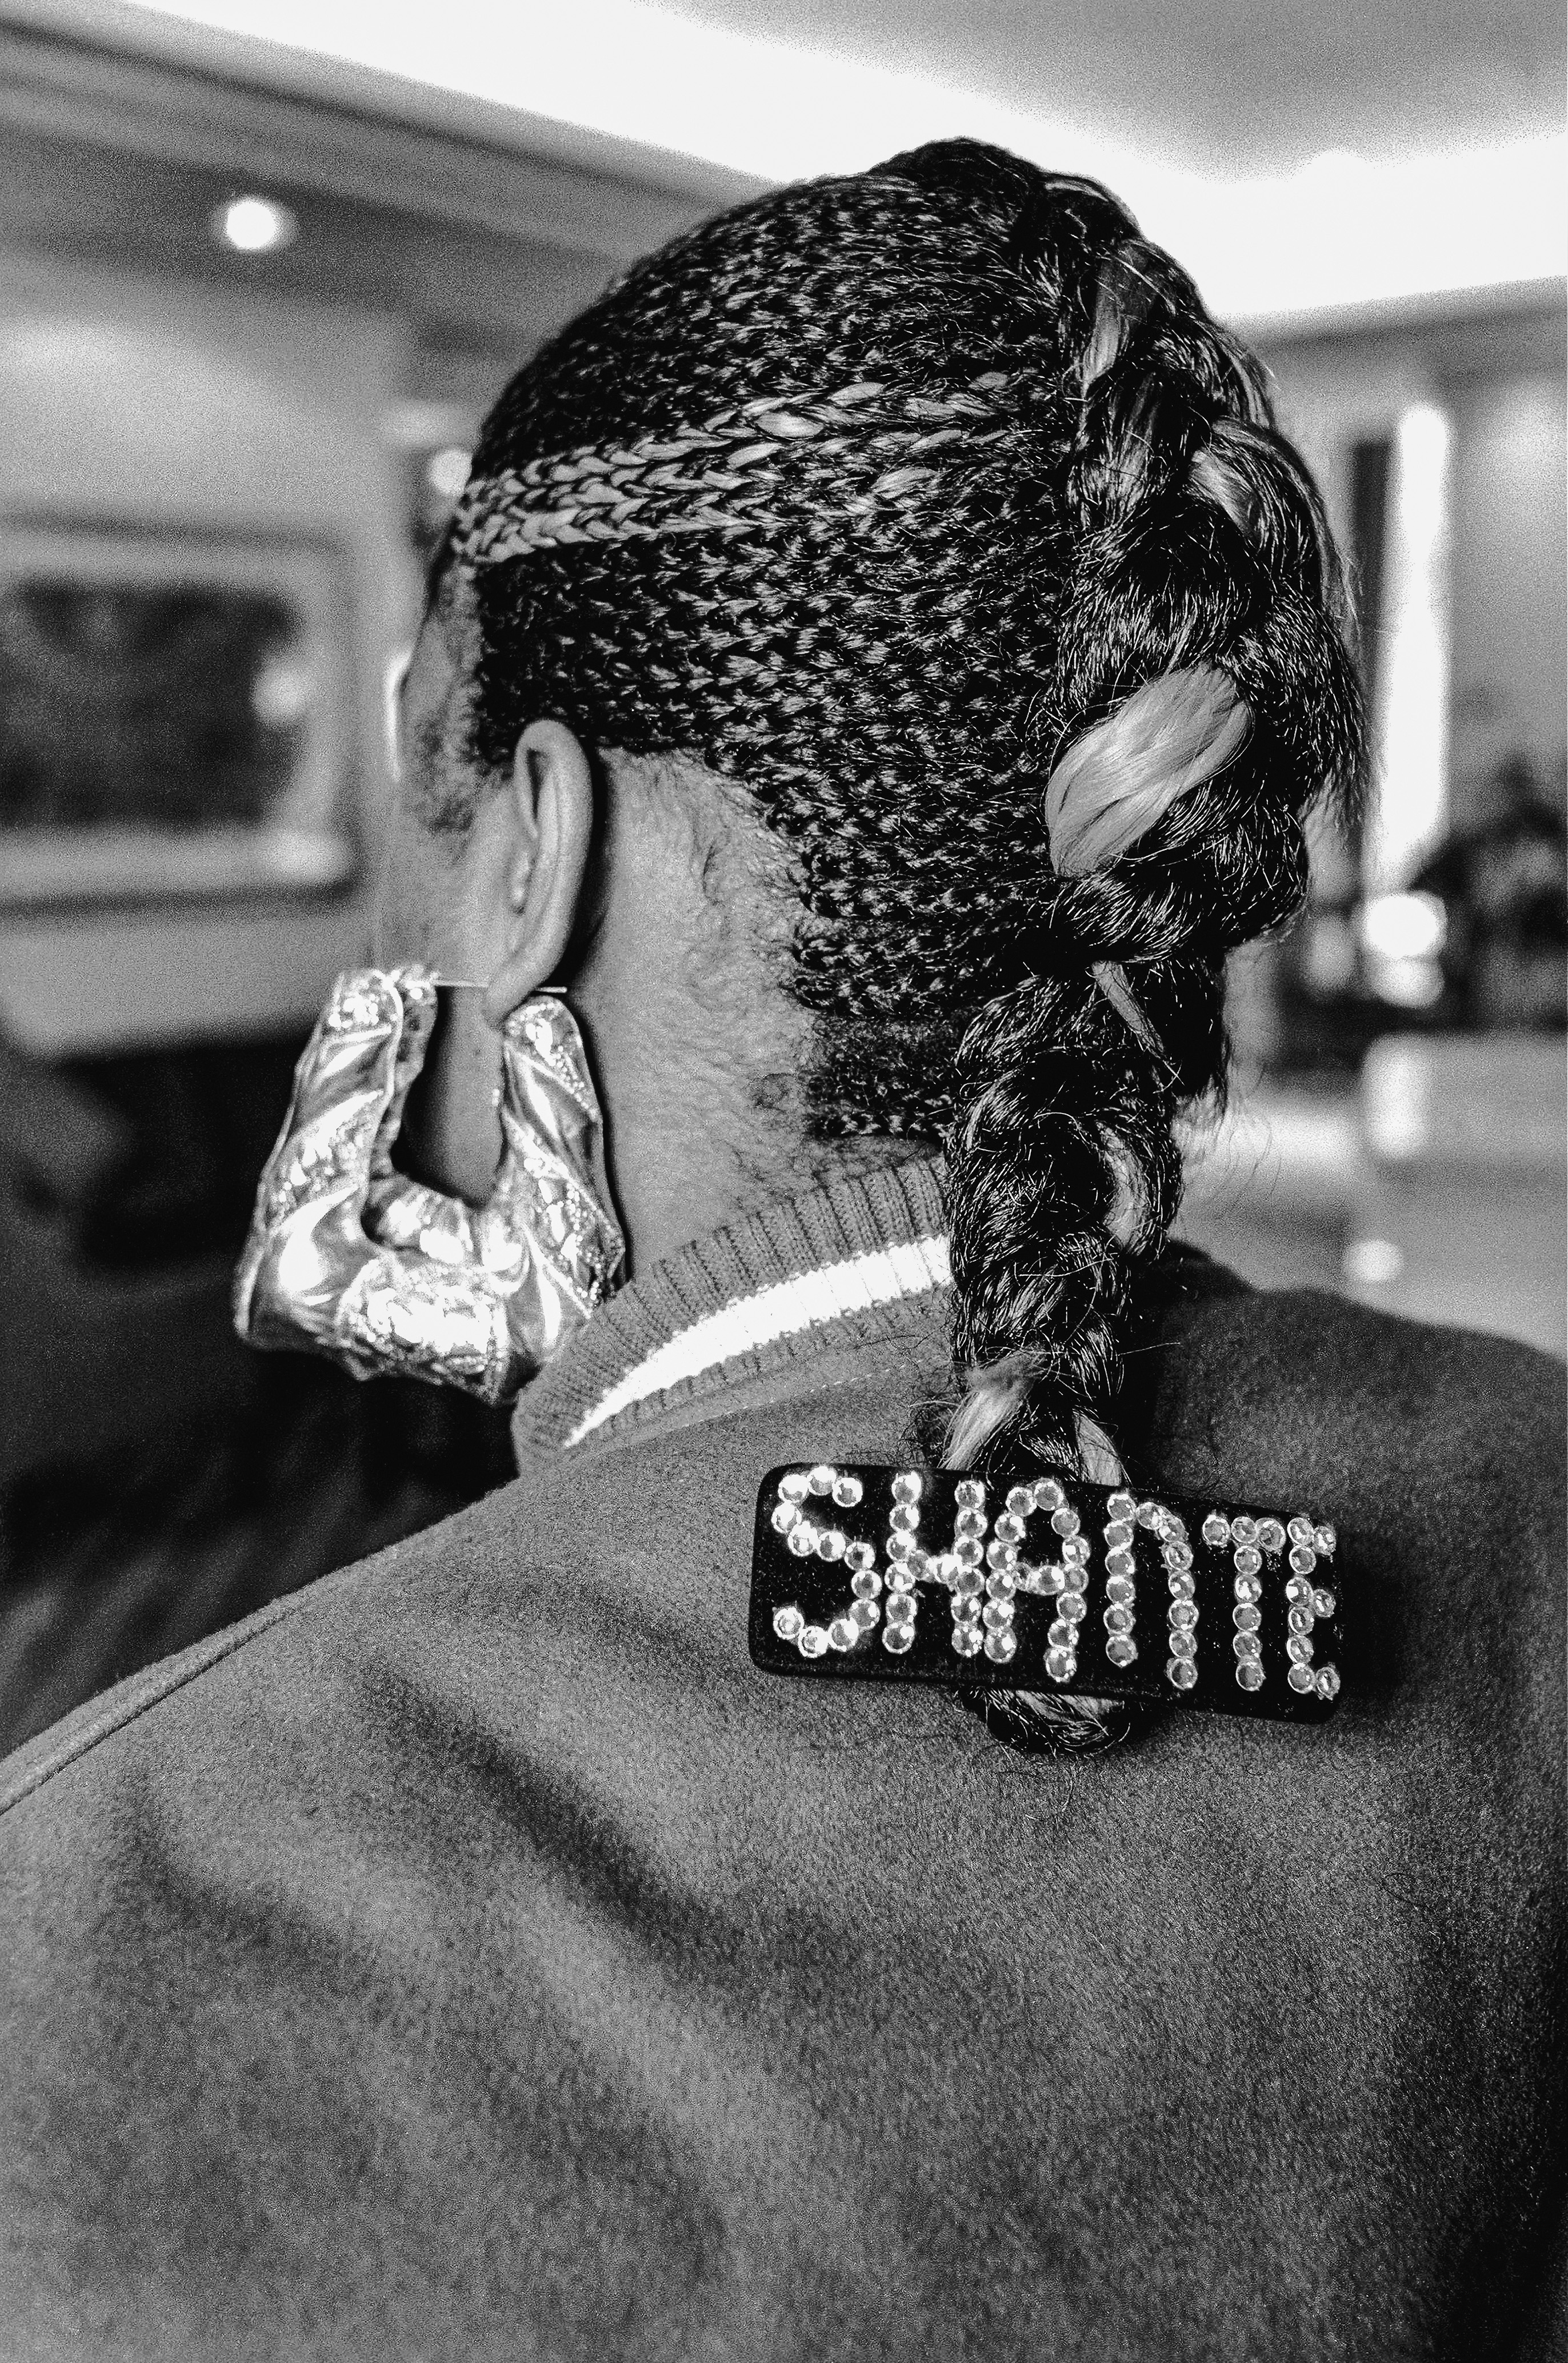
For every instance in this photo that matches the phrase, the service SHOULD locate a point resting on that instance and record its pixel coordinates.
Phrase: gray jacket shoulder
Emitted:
(1437, 1453)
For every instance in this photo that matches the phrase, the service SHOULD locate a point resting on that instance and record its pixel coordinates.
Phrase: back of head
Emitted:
(930, 505)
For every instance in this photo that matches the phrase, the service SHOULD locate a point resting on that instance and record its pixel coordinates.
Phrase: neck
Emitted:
(697, 1044)
(689, 1153)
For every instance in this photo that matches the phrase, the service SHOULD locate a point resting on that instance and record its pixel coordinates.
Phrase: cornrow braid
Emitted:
(725, 476)
(931, 505)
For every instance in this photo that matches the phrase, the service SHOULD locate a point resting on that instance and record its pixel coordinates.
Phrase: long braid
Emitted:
(931, 505)
(1201, 591)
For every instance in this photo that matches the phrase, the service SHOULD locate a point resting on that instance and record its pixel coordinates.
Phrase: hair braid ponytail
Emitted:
(930, 505)
(1204, 697)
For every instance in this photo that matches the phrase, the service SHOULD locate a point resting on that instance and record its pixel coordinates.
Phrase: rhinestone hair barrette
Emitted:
(1040, 1581)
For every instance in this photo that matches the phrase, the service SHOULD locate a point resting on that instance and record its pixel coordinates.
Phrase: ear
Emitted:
(548, 829)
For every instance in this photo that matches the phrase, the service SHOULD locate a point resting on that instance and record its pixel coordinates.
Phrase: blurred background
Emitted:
(255, 296)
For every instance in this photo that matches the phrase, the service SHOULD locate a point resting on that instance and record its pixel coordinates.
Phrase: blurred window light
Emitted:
(1401, 936)
(1410, 725)
(1373, 1263)
(1403, 927)
(1341, 232)
(1405, 983)
(1396, 1102)
(282, 692)
(446, 471)
(254, 224)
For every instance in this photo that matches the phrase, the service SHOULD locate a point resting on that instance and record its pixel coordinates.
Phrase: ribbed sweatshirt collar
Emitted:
(862, 1262)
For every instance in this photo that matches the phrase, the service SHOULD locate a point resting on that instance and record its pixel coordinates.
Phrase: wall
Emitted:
(149, 374)
(139, 401)
(1498, 368)
(1509, 562)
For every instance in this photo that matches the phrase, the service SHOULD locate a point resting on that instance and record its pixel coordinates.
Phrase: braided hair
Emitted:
(930, 504)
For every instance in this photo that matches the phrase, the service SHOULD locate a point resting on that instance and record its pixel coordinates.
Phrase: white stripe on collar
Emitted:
(811, 1298)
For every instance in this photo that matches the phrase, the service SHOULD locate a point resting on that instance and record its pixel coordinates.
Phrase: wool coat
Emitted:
(476, 1955)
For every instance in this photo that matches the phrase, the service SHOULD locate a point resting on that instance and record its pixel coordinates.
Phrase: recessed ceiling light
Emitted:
(254, 224)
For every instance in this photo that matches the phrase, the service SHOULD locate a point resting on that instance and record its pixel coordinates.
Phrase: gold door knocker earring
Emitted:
(347, 1257)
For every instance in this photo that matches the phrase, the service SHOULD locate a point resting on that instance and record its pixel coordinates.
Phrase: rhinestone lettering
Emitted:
(1004, 1549)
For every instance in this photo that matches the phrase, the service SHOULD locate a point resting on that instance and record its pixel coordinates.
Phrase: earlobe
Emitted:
(552, 797)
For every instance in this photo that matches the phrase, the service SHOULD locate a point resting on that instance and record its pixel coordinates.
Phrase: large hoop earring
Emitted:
(347, 1257)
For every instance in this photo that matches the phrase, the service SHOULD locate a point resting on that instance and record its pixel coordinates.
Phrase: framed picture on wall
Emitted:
(176, 715)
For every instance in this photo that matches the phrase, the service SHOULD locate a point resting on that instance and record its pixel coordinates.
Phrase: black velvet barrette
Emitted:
(1039, 1581)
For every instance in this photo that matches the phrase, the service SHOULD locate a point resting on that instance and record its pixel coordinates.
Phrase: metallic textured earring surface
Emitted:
(349, 1257)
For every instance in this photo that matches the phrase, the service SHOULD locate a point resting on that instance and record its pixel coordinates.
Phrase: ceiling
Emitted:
(120, 129)
(1241, 85)
(114, 157)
